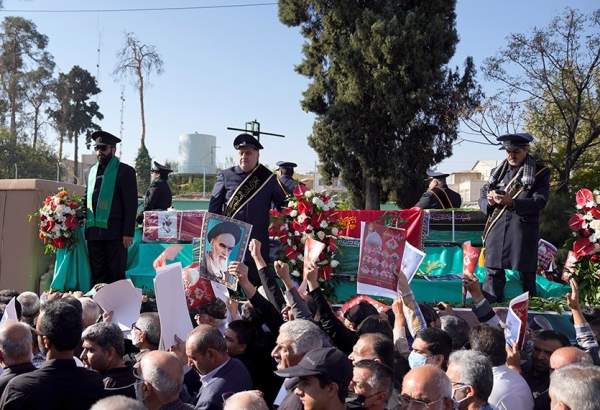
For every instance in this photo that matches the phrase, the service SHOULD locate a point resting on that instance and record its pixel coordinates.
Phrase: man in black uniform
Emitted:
(285, 175)
(111, 201)
(438, 195)
(512, 200)
(246, 192)
(158, 196)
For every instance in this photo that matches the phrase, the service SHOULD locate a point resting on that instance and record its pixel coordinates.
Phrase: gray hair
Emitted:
(149, 323)
(305, 335)
(382, 376)
(245, 400)
(118, 403)
(165, 385)
(206, 337)
(576, 386)
(30, 304)
(475, 370)
(16, 344)
(105, 335)
(90, 311)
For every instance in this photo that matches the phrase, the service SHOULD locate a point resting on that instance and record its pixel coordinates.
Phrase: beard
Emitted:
(104, 158)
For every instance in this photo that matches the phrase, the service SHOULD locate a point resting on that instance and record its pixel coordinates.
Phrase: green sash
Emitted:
(249, 187)
(99, 219)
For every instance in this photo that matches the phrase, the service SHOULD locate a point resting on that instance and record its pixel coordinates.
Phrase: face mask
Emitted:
(456, 401)
(416, 360)
(355, 401)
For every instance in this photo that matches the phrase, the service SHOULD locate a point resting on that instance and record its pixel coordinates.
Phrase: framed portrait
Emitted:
(223, 240)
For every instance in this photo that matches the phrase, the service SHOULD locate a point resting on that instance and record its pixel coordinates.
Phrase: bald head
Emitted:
(246, 400)
(568, 355)
(164, 372)
(15, 343)
(90, 311)
(428, 383)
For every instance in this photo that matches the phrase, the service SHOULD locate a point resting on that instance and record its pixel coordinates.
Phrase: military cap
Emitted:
(285, 164)
(156, 167)
(512, 142)
(104, 138)
(431, 174)
(225, 227)
(246, 140)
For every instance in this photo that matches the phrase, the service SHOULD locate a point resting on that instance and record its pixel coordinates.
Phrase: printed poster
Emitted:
(223, 240)
(516, 320)
(380, 259)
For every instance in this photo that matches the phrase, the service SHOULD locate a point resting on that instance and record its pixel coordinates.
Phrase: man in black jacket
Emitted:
(158, 196)
(111, 202)
(59, 383)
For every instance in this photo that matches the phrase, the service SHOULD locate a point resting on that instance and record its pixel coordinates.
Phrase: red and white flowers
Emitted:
(584, 265)
(308, 215)
(58, 220)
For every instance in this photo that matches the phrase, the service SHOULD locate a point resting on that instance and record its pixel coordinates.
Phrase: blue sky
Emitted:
(224, 67)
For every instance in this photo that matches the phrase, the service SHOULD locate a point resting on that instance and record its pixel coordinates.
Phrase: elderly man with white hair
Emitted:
(15, 351)
(295, 339)
(160, 380)
(30, 307)
(472, 378)
(246, 400)
(575, 387)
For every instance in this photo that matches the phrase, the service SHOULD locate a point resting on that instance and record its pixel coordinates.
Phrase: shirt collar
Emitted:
(210, 375)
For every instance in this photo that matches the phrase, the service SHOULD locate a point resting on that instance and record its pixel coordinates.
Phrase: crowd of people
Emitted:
(287, 350)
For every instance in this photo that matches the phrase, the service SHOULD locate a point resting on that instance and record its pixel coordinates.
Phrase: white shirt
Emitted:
(208, 376)
(510, 390)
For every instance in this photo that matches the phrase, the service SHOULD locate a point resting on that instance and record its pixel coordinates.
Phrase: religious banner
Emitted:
(172, 226)
(380, 260)
(223, 240)
(409, 219)
(470, 257)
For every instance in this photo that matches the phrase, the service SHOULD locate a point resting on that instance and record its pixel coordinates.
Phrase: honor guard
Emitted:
(438, 195)
(158, 196)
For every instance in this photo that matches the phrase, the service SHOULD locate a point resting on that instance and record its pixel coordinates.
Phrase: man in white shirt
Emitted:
(510, 390)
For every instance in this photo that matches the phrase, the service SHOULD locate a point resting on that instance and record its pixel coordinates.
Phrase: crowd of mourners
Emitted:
(287, 349)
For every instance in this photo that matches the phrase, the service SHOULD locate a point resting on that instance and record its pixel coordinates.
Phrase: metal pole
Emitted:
(57, 171)
(16, 171)
(204, 183)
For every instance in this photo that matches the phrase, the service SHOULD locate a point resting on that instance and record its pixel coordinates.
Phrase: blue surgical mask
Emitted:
(416, 359)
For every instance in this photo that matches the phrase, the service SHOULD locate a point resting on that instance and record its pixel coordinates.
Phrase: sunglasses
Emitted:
(100, 147)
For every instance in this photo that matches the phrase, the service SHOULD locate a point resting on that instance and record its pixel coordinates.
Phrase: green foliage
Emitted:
(586, 273)
(185, 184)
(143, 164)
(386, 105)
(39, 162)
(552, 75)
(553, 219)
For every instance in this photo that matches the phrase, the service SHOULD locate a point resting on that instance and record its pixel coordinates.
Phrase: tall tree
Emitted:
(75, 112)
(140, 61)
(38, 95)
(554, 75)
(386, 105)
(22, 49)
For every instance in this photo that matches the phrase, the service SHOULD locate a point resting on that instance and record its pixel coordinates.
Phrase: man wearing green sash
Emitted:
(246, 192)
(111, 202)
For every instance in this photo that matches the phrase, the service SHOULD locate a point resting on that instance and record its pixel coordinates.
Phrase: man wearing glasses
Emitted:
(111, 205)
(426, 388)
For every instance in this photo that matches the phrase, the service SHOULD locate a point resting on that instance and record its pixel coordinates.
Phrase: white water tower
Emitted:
(197, 154)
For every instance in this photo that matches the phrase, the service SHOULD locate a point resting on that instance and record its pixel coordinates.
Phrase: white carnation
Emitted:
(291, 204)
(300, 257)
(334, 231)
(302, 218)
(295, 273)
(321, 235)
(294, 213)
(308, 194)
(334, 263)
(324, 224)
(595, 225)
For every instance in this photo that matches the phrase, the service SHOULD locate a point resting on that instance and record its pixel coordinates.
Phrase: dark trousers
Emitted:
(108, 260)
(495, 281)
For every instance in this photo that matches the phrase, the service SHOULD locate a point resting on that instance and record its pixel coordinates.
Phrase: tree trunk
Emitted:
(12, 98)
(371, 193)
(75, 158)
(61, 139)
(36, 115)
(141, 89)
